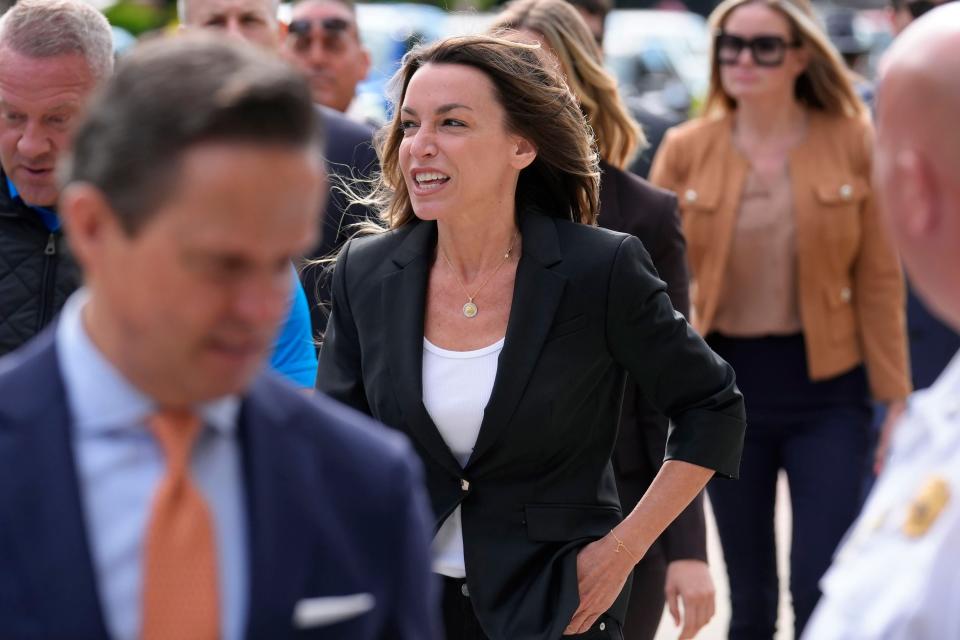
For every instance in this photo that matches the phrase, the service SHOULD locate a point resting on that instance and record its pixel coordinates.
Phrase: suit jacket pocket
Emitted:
(566, 522)
(567, 326)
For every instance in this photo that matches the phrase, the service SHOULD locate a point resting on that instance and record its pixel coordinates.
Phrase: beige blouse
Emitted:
(761, 296)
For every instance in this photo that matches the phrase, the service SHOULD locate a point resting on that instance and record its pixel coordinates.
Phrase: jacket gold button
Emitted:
(464, 484)
(690, 195)
(846, 192)
(845, 294)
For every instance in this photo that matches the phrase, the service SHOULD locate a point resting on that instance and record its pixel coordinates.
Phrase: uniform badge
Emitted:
(926, 507)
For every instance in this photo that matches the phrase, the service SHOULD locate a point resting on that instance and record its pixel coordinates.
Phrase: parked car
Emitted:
(660, 58)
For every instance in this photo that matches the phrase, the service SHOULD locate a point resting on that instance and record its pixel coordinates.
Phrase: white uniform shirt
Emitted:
(897, 574)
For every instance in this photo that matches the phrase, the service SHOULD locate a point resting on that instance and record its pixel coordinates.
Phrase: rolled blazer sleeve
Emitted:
(677, 372)
(339, 372)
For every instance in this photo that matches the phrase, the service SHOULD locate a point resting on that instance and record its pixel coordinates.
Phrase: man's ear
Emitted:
(87, 219)
(524, 153)
(917, 206)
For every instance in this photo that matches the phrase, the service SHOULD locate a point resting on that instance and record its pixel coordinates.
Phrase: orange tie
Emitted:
(180, 600)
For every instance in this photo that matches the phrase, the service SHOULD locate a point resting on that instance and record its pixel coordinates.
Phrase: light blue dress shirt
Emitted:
(120, 464)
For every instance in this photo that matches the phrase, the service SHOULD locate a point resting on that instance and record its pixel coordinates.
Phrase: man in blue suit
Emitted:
(154, 481)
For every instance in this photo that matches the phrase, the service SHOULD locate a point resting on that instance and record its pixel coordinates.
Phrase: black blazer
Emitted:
(539, 484)
(632, 205)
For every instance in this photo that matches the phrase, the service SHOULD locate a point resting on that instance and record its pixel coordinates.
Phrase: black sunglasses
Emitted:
(303, 26)
(331, 33)
(767, 51)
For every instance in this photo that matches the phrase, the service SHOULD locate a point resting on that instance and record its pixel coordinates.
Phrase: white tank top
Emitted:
(456, 388)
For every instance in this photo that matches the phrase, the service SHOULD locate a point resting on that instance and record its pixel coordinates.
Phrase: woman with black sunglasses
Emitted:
(794, 283)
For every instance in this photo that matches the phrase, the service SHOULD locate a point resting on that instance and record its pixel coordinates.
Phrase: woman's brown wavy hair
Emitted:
(563, 180)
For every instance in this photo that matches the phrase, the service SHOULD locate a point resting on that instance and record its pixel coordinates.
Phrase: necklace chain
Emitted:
(470, 309)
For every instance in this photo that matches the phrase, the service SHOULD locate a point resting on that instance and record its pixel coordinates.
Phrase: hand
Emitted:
(689, 581)
(894, 411)
(601, 574)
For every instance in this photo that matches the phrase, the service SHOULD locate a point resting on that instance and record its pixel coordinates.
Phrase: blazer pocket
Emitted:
(567, 326)
(310, 613)
(841, 200)
(697, 209)
(566, 522)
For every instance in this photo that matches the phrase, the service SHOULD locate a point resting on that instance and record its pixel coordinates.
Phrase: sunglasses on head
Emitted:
(766, 51)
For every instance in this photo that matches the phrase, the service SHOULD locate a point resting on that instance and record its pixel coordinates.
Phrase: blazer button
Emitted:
(603, 626)
(690, 195)
(845, 294)
(846, 192)
(464, 484)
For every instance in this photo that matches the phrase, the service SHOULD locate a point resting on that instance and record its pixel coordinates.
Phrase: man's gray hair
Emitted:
(48, 28)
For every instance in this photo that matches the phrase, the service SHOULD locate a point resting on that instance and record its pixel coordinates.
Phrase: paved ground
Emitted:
(717, 629)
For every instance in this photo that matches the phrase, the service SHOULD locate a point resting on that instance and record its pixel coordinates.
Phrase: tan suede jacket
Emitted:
(851, 284)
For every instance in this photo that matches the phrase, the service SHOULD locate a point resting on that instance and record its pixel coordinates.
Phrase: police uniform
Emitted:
(897, 574)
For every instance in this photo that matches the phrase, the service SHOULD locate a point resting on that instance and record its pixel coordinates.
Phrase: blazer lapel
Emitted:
(280, 486)
(40, 498)
(403, 304)
(536, 295)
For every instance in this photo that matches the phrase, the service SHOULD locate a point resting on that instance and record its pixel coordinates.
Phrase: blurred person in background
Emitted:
(322, 39)
(795, 283)
(896, 574)
(674, 568)
(494, 324)
(594, 13)
(155, 481)
(49, 68)
(348, 149)
(44, 86)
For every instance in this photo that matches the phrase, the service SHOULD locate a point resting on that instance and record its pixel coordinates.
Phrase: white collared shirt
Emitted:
(119, 464)
(897, 574)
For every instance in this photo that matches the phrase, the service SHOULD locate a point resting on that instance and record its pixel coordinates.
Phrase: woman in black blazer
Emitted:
(489, 175)
(675, 568)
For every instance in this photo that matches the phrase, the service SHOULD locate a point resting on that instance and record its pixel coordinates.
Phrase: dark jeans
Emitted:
(818, 432)
(460, 621)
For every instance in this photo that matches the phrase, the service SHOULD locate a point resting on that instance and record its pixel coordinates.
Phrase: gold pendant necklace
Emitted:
(470, 308)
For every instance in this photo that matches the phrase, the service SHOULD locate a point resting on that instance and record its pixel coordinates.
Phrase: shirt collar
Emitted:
(101, 399)
(49, 216)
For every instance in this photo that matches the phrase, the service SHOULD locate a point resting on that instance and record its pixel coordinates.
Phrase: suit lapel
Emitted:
(536, 295)
(403, 304)
(280, 485)
(38, 483)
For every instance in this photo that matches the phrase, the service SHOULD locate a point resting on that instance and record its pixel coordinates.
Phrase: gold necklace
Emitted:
(470, 308)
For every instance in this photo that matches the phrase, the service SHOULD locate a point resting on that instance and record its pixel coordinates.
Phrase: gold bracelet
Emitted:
(620, 545)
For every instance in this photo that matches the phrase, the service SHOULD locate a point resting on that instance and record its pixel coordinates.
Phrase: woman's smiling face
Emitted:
(457, 155)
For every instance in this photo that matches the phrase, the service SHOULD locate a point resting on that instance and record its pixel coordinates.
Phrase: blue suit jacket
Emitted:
(335, 507)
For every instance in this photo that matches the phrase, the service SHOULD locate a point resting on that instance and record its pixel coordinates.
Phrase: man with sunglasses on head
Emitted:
(322, 39)
(348, 147)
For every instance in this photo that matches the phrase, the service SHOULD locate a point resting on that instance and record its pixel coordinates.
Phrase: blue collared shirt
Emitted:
(50, 218)
(120, 464)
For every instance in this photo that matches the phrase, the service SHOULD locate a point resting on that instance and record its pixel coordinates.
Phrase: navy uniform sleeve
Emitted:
(677, 372)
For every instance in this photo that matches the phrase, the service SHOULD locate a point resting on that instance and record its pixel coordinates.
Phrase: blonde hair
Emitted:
(824, 85)
(563, 181)
(581, 61)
